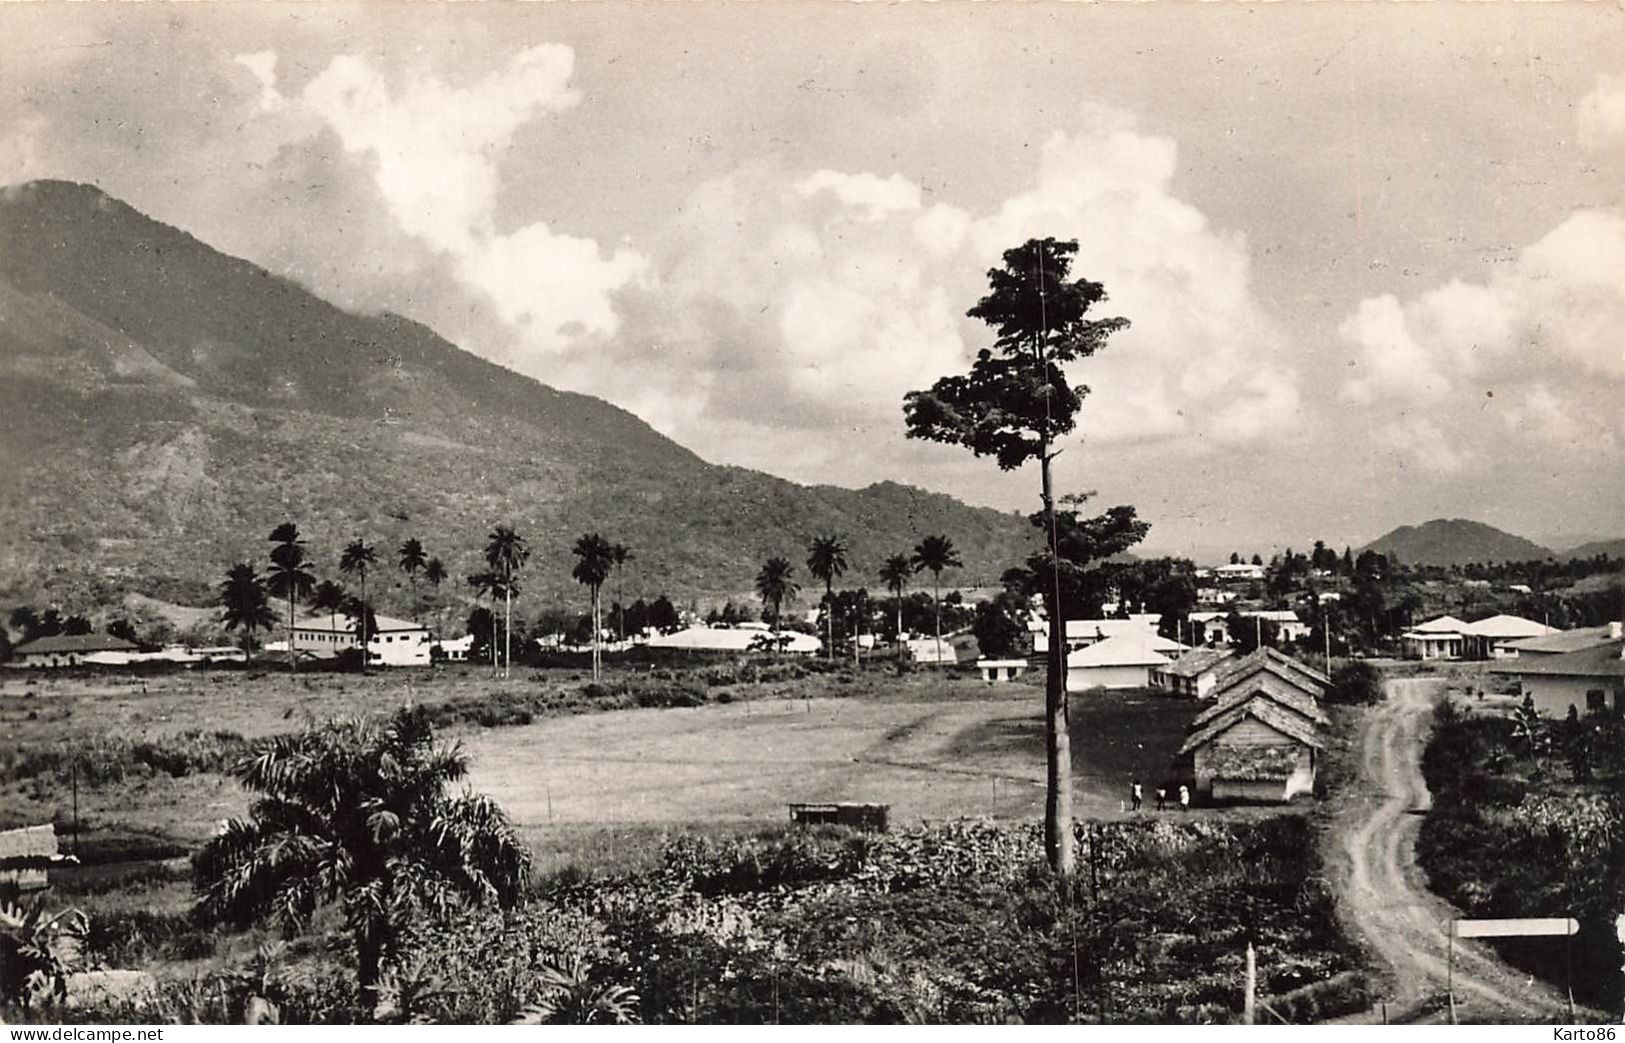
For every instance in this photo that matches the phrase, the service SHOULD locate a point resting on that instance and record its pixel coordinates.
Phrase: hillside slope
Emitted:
(1455, 541)
(1612, 548)
(166, 405)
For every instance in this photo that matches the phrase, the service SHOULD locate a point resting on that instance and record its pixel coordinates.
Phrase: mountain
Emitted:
(1612, 548)
(166, 405)
(1455, 541)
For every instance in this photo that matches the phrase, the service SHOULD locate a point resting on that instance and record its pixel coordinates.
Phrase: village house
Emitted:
(1576, 640)
(1238, 572)
(1123, 661)
(1263, 737)
(395, 642)
(1081, 633)
(1287, 624)
(66, 650)
(1193, 675)
(26, 856)
(1590, 679)
(1439, 638)
(1490, 638)
(997, 671)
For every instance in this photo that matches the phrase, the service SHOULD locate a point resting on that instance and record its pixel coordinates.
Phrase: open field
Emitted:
(589, 788)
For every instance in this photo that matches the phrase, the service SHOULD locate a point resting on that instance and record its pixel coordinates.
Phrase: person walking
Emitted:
(1184, 798)
(1135, 794)
(1162, 798)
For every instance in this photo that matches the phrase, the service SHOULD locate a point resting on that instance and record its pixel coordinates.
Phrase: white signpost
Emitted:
(1528, 927)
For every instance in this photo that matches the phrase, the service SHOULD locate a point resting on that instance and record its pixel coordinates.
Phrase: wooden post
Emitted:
(1450, 971)
(1248, 1015)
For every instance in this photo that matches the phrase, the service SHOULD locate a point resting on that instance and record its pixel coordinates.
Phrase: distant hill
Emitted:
(1612, 548)
(166, 405)
(1455, 541)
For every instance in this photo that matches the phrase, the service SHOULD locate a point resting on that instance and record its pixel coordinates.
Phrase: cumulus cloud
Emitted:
(1539, 342)
(434, 151)
(20, 149)
(873, 196)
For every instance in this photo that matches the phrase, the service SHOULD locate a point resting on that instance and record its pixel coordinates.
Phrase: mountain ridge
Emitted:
(169, 404)
(1455, 541)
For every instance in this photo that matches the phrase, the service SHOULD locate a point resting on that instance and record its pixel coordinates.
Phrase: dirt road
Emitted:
(1385, 896)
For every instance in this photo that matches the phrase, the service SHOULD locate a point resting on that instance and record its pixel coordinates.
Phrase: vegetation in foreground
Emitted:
(1528, 820)
(956, 923)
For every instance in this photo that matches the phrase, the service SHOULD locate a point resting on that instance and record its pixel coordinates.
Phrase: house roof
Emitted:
(1441, 625)
(1504, 626)
(1274, 615)
(346, 625)
(1563, 641)
(1262, 710)
(1597, 661)
(1304, 675)
(1103, 628)
(1123, 650)
(740, 639)
(1199, 661)
(61, 644)
(1264, 684)
(28, 843)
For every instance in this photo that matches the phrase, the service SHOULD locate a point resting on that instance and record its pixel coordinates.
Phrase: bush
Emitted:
(1356, 683)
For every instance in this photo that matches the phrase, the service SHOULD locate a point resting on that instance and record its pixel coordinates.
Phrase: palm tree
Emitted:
(505, 552)
(620, 554)
(357, 558)
(289, 576)
(243, 603)
(826, 559)
(895, 574)
(936, 553)
(356, 814)
(412, 561)
(776, 585)
(594, 560)
(329, 597)
(435, 573)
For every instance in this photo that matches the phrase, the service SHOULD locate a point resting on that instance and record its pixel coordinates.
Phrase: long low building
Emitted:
(395, 642)
(1589, 680)
(67, 650)
(748, 637)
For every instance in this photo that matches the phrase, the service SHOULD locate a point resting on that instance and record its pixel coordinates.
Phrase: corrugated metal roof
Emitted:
(28, 842)
(61, 644)
(1599, 661)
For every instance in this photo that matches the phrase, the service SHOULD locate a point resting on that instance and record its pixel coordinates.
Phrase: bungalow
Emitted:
(395, 642)
(1488, 638)
(1242, 571)
(1124, 661)
(1287, 624)
(1589, 680)
(1209, 628)
(1577, 640)
(1194, 674)
(66, 650)
(1439, 638)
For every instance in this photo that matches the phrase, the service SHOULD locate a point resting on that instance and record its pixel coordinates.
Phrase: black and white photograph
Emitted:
(805, 513)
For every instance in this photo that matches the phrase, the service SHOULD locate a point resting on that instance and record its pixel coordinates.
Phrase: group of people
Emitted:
(1137, 797)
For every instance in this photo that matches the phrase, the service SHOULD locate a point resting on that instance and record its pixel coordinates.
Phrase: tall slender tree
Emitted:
(358, 815)
(412, 561)
(776, 584)
(934, 554)
(290, 575)
(895, 574)
(506, 553)
(243, 603)
(1013, 405)
(357, 559)
(488, 584)
(826, 560)
(435, 573)
(620, 554)
(594, 560)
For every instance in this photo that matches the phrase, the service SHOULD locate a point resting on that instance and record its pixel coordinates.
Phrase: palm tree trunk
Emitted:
(899, 624)
(507, 631)
(829, 619)
(597, 632)
(365, 649)
(293, 663)
(369, 969)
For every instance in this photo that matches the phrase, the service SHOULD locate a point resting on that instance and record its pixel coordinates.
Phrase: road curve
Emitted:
(1384, 895)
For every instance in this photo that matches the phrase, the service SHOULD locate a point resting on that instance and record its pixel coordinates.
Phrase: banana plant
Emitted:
(38, 950)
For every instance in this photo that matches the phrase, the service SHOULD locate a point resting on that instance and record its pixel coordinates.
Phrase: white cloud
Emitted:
(20, 150)
(1423, 443)
(263, 65)
(1602, 114)
(875, 197)
(434, 152)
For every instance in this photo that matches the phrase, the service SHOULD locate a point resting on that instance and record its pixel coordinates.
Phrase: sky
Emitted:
(1372, 255)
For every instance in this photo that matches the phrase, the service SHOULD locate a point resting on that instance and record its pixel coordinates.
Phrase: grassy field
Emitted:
(594, 788)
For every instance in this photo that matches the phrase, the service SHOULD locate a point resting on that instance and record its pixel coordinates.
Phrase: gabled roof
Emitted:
(1199, 661)
(1564, 641)
(346, 625)
(1597, 661)
(1262, 710)
(62, 644)
(1504, 626)
(1441, 625)
(1300, 673)
(1123, 650)
(1078, 629)
(1265, 685)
